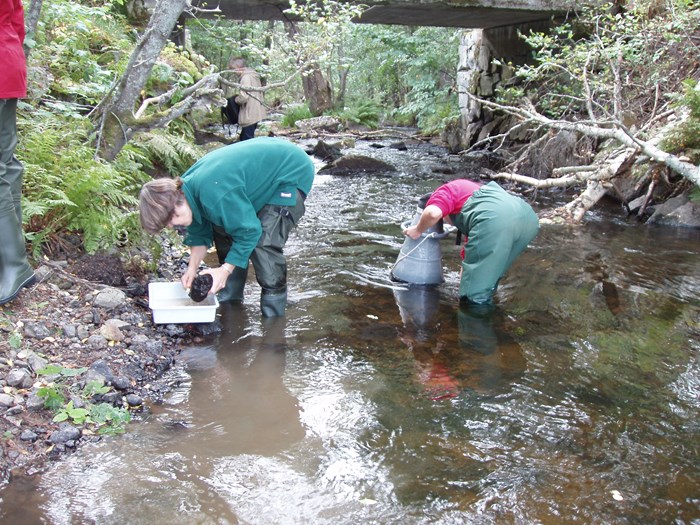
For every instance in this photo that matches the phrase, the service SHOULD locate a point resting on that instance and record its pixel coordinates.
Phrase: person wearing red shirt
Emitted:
(498, 227)
(15, 271)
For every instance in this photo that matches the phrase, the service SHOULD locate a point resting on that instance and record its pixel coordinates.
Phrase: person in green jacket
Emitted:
(245, 198)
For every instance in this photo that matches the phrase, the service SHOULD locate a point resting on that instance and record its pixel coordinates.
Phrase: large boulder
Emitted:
(356, 165)
(678, 211)
(316, 124)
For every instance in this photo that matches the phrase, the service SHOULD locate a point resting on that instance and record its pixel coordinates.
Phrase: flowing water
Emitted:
(576, 400)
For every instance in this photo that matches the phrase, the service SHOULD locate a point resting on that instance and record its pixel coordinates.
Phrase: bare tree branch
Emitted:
(608, 130)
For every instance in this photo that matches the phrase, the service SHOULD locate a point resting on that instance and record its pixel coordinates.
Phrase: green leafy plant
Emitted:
(172, 152)
(295, 113)
(93, 388)
(610, 64)
(51, 370)
(53, 396)
(366, 113)
(409, 72)
(685, 137)
(79, 43)
(72, 192)
(15, 340)
(68, 412)
(109, 419)
(103, 417)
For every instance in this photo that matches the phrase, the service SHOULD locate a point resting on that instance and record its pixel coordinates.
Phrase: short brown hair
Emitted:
(157, 202)
(236, 63)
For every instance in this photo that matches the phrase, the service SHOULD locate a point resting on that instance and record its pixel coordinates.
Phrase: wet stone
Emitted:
(36, 362)
(20, 378)
(101, 368)
(97, 341)
(6, 400)
(111, 398)
(121, 383)
(200, 287)
(13, 411)
(28, 435)
(134, 400)
(65, 434)
(36, 330)
(34, 403)
(69, 330)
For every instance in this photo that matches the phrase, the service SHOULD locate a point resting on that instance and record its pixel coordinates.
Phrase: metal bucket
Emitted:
(420, 260)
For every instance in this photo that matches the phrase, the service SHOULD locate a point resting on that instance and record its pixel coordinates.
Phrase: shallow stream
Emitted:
(577, 400)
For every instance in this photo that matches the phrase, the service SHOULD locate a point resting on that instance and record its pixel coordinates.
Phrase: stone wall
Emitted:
(478, 74)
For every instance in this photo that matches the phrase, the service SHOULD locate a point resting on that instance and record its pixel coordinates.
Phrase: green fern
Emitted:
(366, 113)
(295, 113)
(686, 137)
(166, 151)
(67, 190)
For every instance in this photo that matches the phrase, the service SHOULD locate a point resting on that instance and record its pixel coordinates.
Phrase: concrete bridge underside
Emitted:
(482, 14)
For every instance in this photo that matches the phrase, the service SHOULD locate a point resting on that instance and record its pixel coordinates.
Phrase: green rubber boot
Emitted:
(15, 273)
(233, 291)
(273, 304)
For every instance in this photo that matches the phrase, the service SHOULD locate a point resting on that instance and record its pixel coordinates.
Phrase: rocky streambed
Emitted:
(78, 359)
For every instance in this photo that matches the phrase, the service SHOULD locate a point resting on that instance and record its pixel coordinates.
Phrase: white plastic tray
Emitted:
(170, 304)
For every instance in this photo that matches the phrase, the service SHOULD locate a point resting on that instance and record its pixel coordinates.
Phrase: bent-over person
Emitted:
(245, 199)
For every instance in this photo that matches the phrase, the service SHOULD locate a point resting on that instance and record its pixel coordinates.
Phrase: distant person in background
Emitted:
(15, 271)
(498, 227)
(252, 108)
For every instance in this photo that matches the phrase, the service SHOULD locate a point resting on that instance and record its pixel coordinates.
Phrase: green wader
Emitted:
(15, 271)
(499, 226)
(268, 258)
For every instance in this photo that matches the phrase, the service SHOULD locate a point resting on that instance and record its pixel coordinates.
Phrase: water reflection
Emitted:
(418, 306)
(485, 359)
(238, 400)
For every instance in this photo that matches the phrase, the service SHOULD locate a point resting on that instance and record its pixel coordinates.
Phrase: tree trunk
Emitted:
(117, 109)
(343, 72)
(31, 18)
(317, 91)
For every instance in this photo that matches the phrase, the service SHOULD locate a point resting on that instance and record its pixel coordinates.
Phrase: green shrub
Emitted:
(102, 417)
(686, 137)
(294, 113)
(366, 113)
(80, 44)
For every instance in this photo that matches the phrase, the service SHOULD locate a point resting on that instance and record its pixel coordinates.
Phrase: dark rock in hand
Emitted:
(200, 287)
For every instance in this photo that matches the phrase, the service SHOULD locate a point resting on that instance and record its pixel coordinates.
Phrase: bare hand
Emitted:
(412, 232)
(187, 278)
(219, 276)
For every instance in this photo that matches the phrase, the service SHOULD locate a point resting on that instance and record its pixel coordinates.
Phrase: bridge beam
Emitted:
(482, 14)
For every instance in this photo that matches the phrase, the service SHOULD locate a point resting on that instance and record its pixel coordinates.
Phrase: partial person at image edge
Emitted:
(15, 271)
(245, 199)
(498, 227)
